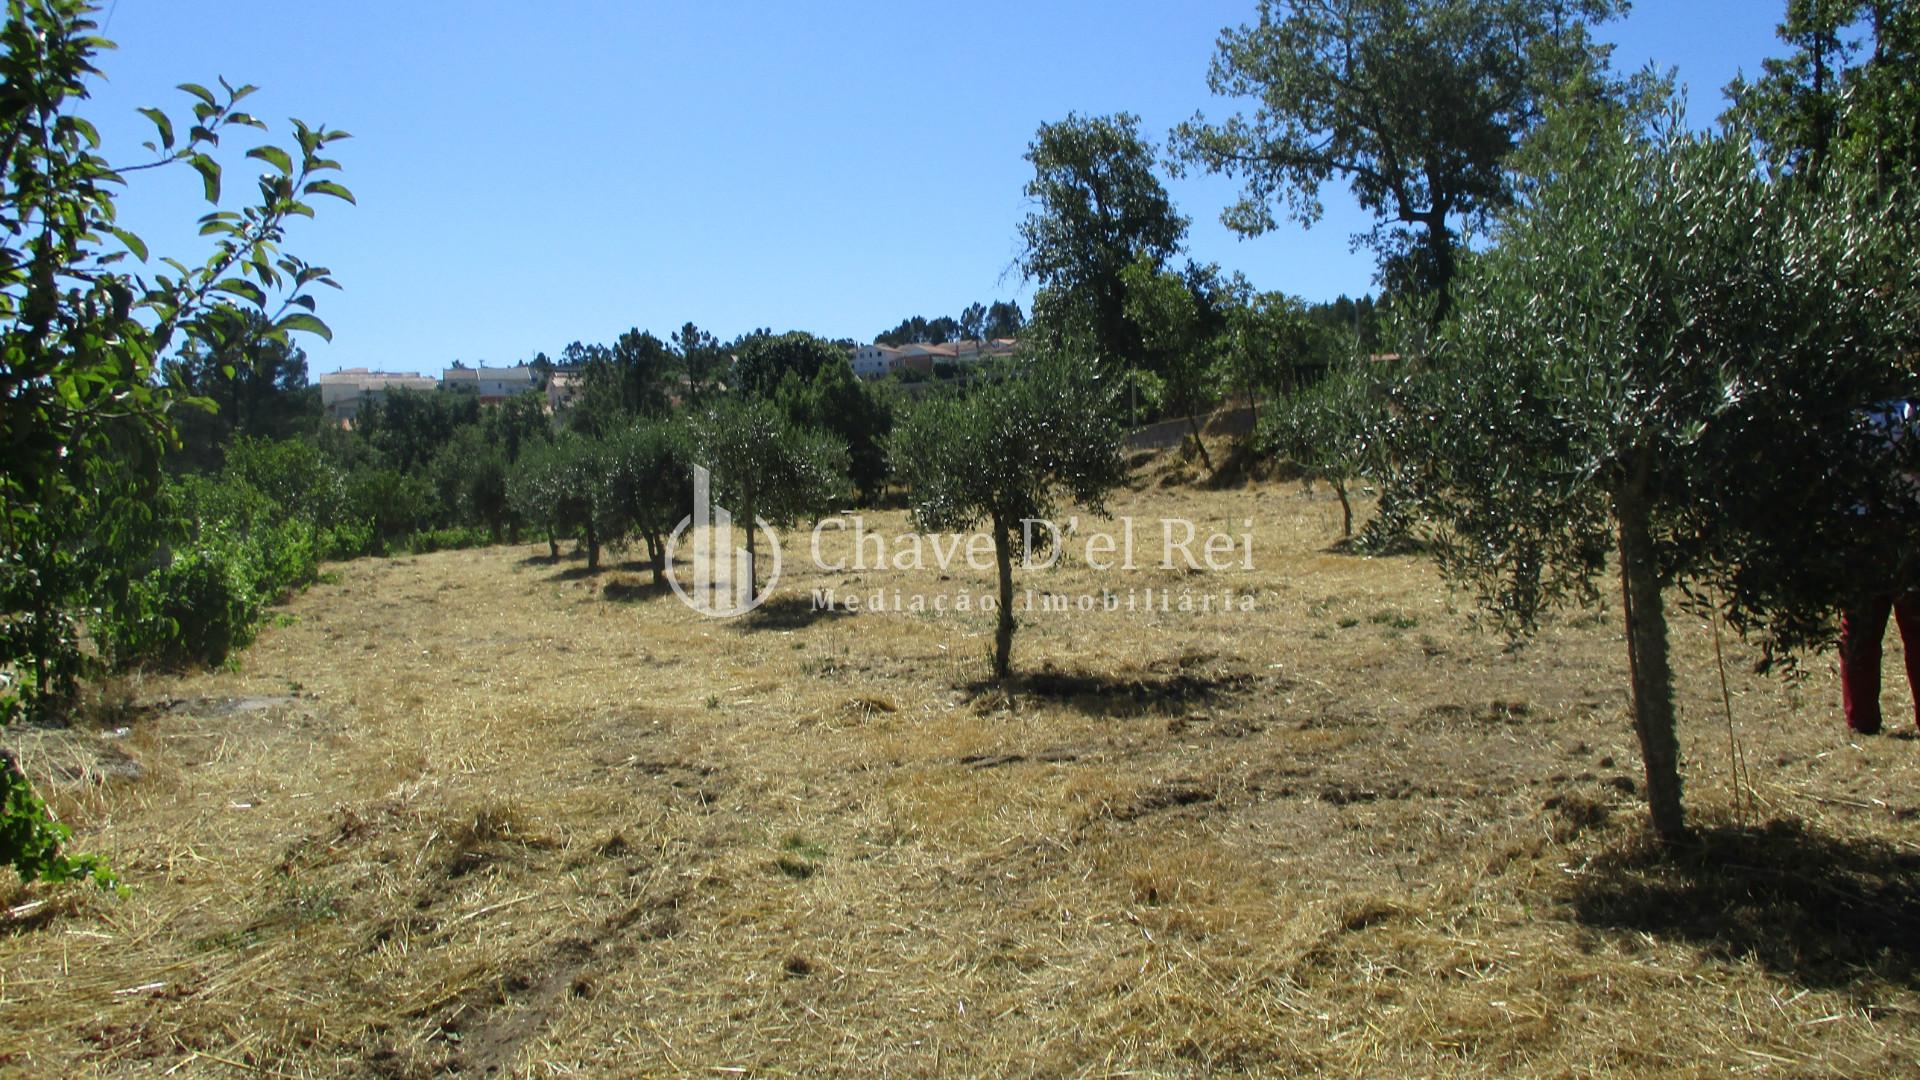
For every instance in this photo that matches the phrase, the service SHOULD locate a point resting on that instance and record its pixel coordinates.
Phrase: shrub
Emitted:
(456, 538)
(196, 608)
(347, 540)
(394, 504)
(294, 476)
(234, 552)
(281, 559)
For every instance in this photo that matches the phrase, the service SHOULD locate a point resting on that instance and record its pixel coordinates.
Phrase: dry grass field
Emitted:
(482, 813)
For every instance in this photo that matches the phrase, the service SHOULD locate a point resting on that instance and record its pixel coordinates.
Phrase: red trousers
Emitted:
(1861, 629)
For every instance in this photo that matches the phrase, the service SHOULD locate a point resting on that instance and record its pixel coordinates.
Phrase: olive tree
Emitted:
(767, 467)
(1661, 360)
(1009, 451)
(645, 487)
(1334, 429)
(557, 485)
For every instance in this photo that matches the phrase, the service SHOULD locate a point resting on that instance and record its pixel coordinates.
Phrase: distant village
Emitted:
(344, 393)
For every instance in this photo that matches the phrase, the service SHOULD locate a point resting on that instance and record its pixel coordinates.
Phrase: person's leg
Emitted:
(1907, 611)
(1861, 628)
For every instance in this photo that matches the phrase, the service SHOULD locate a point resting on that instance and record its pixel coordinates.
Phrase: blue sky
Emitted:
(534, 174)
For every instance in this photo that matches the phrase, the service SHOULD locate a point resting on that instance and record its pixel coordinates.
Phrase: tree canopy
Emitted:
(857, 412)
(763, 465)
(1414, 104)
(763, 361)
(1663, 357)
(82, 417)
(1098, 207)
(238, 381)
(1848, 89)
(1008, 450)
(645, 487)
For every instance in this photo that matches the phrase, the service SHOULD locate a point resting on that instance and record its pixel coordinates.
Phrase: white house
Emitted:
(873, 361)
(493, 384)
(343, 393)
(973, 352)
(877, 361)
(562, 388)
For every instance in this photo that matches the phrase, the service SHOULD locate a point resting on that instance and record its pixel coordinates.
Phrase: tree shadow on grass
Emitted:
(787, 613)
(624, 591)
(1821, 910)
(575, 573)
(539, 557)
(1127, 694)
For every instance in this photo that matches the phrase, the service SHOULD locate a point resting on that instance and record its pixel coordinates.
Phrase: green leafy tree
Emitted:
(238, 381)
(469, 475)
(1662, 358)
(291, 473)
(857, 412)
(600, 406)
(393, 504)
(912, 329)
(765, 466)
(1882, 122)
(1180, 323)
(973, 322)
(556, 485)
(701, 361)
(1848, 89)
(483, 497)
(1004, 319)
(517, 423)
(1415, 104)
(646, 486)
(81, 337)
(1273, 342)
(530, 494)
(1334, 429)
(1099, 207)
(1008, 451)
(920, 330)
(764, 361)
(577, 474)
(645, 366)
(1356, 322)
(1795, 105)
(408, 428)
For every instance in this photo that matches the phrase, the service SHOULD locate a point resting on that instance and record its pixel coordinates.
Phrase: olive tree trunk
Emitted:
(1003, 632)
(753, 559)
(1199, 443)
(1647, 662)
(656, 556)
